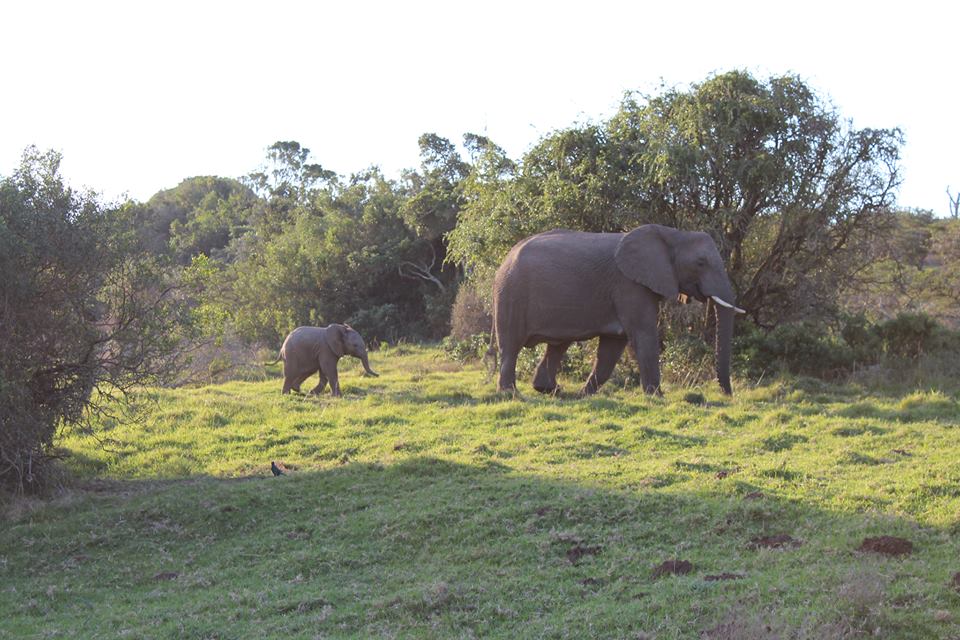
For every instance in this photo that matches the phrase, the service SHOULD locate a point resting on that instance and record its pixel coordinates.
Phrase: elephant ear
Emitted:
(644, 256)
(334, 335)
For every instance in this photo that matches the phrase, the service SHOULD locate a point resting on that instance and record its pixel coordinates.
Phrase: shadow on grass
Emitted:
(434, 548)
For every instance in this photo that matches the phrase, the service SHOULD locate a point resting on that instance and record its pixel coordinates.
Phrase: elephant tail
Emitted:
(279, 358)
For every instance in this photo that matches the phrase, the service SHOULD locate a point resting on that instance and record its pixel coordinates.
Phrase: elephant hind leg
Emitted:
(609, 351)
(545, 378)
(508, 367)
(293, 383)
(317, 390)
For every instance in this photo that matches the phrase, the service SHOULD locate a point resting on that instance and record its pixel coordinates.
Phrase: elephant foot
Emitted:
(509, 393)
(554, 390)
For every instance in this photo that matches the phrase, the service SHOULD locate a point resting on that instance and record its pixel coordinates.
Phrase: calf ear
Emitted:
(334, 336)
(644, 256)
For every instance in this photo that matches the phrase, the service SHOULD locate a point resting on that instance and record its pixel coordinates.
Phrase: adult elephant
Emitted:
(307, 350)
(564, 286)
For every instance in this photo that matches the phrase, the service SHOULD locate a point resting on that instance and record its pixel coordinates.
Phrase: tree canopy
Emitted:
(785, 186)
(86, 316)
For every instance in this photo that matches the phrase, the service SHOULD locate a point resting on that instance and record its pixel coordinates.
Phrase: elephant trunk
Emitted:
(366, 366)
(724, 339)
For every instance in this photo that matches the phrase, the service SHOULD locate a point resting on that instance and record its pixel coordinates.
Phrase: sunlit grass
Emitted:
(424, 504)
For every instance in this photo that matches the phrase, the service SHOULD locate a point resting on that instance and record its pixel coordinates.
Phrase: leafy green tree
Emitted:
(337, 258)
(288, 183)
(435, 193)
(789, 190)
(199, 216)
(87, 314)
(916, 270)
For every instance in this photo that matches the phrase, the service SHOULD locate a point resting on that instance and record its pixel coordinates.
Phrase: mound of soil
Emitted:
(887, 545)
(773, 542)
(577, 551)
(166, 575)
(672, 567)
(724, 576)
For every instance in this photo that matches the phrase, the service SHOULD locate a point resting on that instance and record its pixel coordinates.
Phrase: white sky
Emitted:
(140, 95)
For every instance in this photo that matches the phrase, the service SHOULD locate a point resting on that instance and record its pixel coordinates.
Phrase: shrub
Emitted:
(687, 360)
(382, 322)
(909, 334)
(466, 349)
(469, 315)
(863, 339)
(803, 348)
(87, 317)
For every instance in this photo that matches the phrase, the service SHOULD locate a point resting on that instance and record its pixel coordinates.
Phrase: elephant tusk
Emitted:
(724, 303)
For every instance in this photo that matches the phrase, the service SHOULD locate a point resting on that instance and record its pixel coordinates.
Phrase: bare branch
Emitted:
(415, 271)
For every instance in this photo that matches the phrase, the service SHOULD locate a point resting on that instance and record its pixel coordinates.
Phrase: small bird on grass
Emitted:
(277, 470)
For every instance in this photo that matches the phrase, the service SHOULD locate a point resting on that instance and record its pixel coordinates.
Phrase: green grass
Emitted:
(423, 504)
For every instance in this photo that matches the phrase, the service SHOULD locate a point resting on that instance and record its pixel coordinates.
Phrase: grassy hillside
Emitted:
(423, 504)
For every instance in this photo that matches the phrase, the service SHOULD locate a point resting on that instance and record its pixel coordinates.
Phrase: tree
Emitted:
(199, 216)
(288, 183)
(431, 207)
(790, 191)
(86, 316)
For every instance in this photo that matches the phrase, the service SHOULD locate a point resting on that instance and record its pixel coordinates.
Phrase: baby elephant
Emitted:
(309, 349)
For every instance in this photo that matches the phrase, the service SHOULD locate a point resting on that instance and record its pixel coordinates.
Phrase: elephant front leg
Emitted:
(609, 351)
(545, 378)
(334, 383)
(646, 350)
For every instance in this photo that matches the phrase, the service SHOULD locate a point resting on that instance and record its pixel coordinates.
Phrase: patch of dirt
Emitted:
(887, 545)
(773, 542)
(672, 567)
(166, 575)
(577, 551)
(299, 534)
(593, 582)
(542, 511)
(901, 452)
(305, 606)
(753, 495)
(737, 628)
(724, 576)
(955, 581)
(723, 473)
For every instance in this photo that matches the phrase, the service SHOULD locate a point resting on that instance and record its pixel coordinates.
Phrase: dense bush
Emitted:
(909, 335)
(803, 348)
(86, 315)
(469, 315)
(466, 349)
(824, 351)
